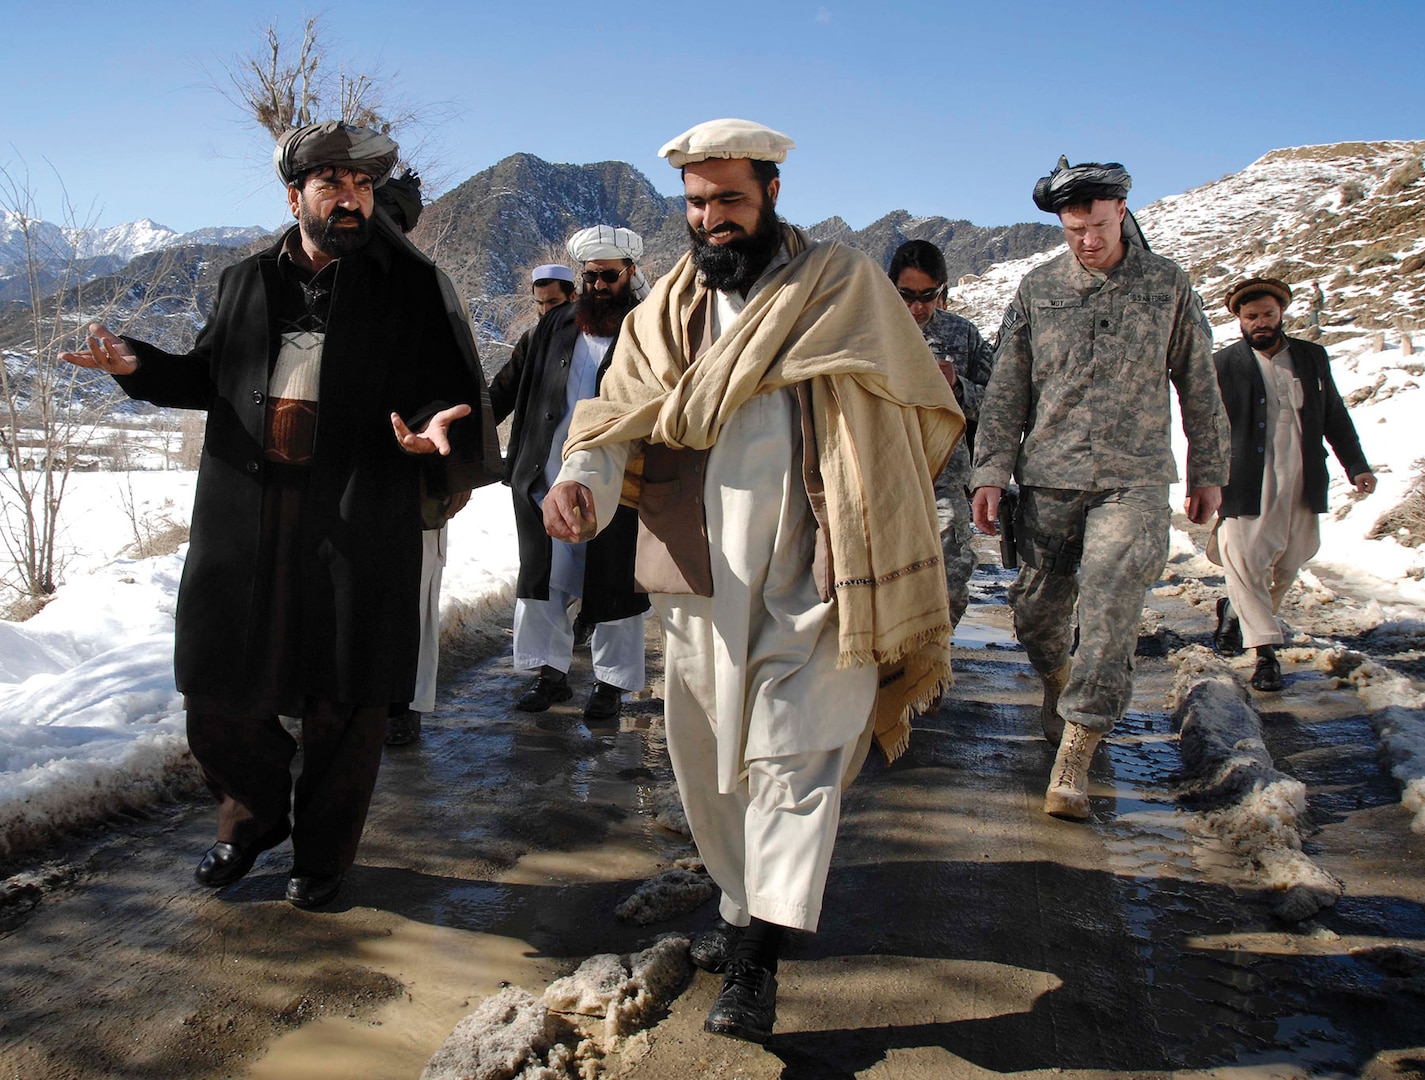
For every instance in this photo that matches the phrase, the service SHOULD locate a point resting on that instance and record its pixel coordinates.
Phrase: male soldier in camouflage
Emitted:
(1077, 411)
(965, 358)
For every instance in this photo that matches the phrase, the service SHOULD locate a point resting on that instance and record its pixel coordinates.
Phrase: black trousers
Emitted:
(246, 762)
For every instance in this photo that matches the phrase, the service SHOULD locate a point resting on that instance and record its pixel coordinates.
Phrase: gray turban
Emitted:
(334, 144)
(610, 242)
(1069, 184)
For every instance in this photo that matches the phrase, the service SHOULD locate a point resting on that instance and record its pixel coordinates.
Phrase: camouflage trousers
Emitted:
(1124, 536)
(952, 507)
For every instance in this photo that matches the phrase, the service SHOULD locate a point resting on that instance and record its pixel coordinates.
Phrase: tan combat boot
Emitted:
(1068, 794)
(1054, 684)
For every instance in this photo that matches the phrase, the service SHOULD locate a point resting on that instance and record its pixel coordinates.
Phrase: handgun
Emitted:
(1008, 549)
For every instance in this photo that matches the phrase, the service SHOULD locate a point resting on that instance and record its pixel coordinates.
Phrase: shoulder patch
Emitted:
(1012, 319)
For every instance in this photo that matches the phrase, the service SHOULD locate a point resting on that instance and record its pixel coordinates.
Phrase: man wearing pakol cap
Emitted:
(567, 356)
(1282, 403)
(1077, 411)
(334, 373)
(789, 421)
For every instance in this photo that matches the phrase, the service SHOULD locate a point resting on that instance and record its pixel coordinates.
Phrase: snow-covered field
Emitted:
(90, 722)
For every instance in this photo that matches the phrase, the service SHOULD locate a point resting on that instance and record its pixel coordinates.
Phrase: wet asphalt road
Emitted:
(964, 934)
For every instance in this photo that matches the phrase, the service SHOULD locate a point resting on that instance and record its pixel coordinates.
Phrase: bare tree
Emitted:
(289, 81)
(50, 411)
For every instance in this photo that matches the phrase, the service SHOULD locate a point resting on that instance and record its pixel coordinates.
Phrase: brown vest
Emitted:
(673, 554)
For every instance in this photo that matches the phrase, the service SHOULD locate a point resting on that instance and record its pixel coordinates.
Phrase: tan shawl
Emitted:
(885, 423)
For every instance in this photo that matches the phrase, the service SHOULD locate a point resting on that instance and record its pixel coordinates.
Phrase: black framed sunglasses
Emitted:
(608, 277)
(929, 296)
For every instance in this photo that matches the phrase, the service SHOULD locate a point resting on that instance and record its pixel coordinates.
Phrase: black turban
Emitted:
(1070, 184)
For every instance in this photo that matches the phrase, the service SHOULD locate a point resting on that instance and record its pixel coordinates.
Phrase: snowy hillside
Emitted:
(1352, 217)
(124, 241)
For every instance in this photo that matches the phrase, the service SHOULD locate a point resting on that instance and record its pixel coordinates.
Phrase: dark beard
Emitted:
(600, 313)
(738, 263)
(334, 241)
(1262, 340)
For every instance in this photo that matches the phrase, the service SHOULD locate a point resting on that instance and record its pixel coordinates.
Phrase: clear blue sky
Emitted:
(935, 107)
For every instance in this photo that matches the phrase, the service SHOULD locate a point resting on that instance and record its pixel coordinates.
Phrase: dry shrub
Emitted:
(1406, 520)
(1352, 191)
(1402, 177)
(1413, 264)
(1375, 255)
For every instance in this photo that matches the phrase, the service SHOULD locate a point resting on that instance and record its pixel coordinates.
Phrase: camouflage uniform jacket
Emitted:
(956, 339)
(1079, 394)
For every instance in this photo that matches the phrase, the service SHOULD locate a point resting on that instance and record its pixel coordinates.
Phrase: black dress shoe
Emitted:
(404, 728)
(1227, 638)
(712, 949)
(1268, 676)
(605, 703)
(547, 689)
(747, 1007)
(224, 863)
(312, 890)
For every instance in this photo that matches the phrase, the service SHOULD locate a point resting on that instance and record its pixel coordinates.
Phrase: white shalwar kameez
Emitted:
(543, 629)
(1262, 554)
(762, 726)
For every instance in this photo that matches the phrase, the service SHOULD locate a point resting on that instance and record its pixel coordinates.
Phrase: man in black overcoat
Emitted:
(563, 363)
(1283, 405)
(330, 367)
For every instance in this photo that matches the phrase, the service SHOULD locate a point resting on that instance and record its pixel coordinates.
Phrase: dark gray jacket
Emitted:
(1323, 416)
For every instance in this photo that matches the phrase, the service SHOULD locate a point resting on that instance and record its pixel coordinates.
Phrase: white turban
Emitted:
(610, 242)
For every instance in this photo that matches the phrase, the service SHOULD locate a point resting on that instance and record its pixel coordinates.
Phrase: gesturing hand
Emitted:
(105, 353)
(434, 438)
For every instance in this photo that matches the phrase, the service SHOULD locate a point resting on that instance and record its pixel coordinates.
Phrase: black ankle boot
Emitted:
(1268, 676)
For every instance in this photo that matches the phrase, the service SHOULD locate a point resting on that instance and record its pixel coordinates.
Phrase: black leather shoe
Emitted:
(1268, 676)
(547, 690)
(747, 1007)
(712, 949)
(605, 703)
(404, 728)
(1227, 638)
(224, 863)
(312, 890)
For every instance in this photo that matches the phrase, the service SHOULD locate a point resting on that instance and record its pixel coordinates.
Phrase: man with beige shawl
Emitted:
(774, 412)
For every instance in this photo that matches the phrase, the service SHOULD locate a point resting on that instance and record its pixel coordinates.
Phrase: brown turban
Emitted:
(334, 144)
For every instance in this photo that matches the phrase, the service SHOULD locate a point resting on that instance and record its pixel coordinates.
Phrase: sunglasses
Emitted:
(929, 296)
(608, 277)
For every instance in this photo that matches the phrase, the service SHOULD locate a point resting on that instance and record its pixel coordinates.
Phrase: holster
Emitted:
(1008, 529)
(1052, 554)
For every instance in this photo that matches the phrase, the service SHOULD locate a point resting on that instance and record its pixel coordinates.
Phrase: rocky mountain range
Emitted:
(74, 255)
(492, 229)
(1349, 215)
